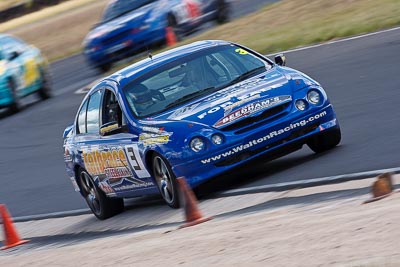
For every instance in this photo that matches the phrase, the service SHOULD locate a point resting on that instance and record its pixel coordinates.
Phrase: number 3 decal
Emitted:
(132, 152)
(241, 51)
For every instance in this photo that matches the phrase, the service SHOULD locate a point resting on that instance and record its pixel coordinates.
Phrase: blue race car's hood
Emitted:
(245, 99)
(133, 19)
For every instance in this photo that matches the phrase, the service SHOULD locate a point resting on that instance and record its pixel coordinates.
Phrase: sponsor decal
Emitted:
(241, 51)
(97, 162)
(230, 107)
(153, 139)
(155, 130)
(116, 165)
(252, 108)
(154, 135)
(109, 128)
(245, 85)
(263, 139)
(133, 186)
(184, 110)
(106, 188)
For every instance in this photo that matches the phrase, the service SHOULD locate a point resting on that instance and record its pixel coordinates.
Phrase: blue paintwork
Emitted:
(140, 28)
(196, 119)
(25, 71)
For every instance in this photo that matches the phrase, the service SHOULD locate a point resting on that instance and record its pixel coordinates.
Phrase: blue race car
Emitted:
(23, 71)
(195, 111)
(130, 26)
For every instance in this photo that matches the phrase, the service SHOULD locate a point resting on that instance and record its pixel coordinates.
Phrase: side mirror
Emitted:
(112, 128)
(280, 60)
(14, 55)
(68, 131)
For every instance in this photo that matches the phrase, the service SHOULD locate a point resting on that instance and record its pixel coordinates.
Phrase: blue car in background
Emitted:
(23, 71)
(195, 111)
(130, 26)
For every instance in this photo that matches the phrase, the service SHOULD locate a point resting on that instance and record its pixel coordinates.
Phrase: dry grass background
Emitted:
(285, 24)
(8, 3)
(62, 32)
(292, 23)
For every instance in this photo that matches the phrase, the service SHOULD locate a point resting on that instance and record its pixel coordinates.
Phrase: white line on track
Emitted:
(337, 41)
(242, 191)
(308, 182)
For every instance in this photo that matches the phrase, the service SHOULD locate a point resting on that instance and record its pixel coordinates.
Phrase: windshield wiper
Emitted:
(245, 76)
(189, 97)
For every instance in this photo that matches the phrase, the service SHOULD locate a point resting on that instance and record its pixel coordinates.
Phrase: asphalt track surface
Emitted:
(361, 77)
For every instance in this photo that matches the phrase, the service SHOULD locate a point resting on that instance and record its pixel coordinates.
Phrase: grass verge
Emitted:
(292, 23)
(280, 26)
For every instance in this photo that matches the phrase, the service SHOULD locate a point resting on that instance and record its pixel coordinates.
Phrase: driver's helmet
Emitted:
(141, 97)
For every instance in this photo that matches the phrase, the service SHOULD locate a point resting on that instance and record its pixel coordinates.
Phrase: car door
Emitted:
(116, 159)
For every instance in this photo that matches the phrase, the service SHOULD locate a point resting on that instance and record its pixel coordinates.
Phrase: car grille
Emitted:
(244, 155)
(116, 38)
(251, 123)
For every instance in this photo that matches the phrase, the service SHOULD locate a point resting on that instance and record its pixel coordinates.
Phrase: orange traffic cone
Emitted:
(192, 212)
(10, 234)
(170, 36)
(381, 188)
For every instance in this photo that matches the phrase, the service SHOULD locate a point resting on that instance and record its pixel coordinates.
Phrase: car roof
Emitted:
(141, 67)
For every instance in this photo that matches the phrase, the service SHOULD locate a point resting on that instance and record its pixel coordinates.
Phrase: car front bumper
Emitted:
(268, 142)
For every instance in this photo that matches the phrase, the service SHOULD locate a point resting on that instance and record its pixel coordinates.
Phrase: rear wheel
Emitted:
(223, 12)
(102, 206)
(45, 90)
(325, 141)
(166, 181)
(16, 104)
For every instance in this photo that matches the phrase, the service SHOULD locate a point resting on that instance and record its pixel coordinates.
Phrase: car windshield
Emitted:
(190, 77)
(118, 8)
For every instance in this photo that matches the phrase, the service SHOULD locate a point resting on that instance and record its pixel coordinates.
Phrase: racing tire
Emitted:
(102, 206)
(45, 90)
(16, 104)
(166, 180)
(325, 141)
(223, 12)
(104, 67)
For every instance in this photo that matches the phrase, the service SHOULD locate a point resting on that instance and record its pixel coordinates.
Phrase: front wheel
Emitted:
(166, 181)
(325, 141)
(102, 206)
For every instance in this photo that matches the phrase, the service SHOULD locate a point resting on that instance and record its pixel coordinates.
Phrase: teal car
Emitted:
(23, 71)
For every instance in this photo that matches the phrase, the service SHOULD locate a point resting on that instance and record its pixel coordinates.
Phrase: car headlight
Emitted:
(314, 97)
(301, 104)
(2, 67)
(197, 144)
(217, 139)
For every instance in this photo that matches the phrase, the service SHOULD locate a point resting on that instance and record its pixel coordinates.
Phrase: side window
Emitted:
(13, 45)
(82, 118)
(111, 109)
(93, 113)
